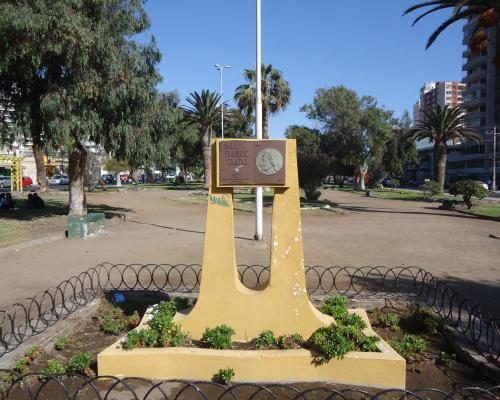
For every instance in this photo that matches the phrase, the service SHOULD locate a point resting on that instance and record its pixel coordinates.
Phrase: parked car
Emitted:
(4, 181)
(59, 180)
(170, 175)
(109, 179)
(389, 182)
(27, 181)
(484, 185)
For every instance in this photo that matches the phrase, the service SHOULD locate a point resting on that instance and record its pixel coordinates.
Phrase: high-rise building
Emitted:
(482, 96)
(442, 93)
(480, 90)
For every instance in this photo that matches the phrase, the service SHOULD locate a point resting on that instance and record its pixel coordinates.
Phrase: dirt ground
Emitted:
(162, 228)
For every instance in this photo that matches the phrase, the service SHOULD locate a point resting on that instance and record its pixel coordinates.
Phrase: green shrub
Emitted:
(468, 189)
(312, 194)
(22, 365)
(430, 189)
(61, 343)
(421, 319)
(265, 341)
(110, 326)
(287, 342)
(335, 306)
(218, 338)
(224, 376)
(81, 363)
(133, 320)
(163, 331)
(446, 359)
(410, 348)
(53, 367)
(132, 340)
(33, 352)
(6, 378)
(148, 337)
(336, 340)
(330, 342)
(162, 317)
(386, 320)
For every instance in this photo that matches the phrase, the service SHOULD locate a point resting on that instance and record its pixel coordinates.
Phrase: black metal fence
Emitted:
(24, 320)
(72, 387)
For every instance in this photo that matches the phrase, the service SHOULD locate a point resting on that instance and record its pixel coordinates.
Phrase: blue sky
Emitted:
(365, 45)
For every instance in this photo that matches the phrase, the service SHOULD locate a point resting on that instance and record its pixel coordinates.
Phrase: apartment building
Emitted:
(442, 93)
(480, 93)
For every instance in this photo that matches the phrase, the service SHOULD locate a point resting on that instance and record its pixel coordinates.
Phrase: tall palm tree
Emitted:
(276, 94)
(205, 111)
(487, 10)
(441, 125)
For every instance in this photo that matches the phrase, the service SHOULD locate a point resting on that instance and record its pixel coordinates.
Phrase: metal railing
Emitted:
(69, 387)
(24, 320)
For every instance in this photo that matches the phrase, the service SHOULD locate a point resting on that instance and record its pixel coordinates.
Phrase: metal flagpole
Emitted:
(258, 121)
(494, 182)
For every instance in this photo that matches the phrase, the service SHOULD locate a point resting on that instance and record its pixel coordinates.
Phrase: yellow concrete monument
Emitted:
(282, 307)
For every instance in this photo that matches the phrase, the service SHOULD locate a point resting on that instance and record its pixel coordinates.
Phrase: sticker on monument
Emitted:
(251, 162)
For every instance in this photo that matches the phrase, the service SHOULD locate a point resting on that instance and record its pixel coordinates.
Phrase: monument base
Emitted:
(384, 369)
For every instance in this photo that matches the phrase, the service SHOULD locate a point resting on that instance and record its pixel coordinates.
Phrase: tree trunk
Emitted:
(149, 175)
(77, 161)
(440, 159)
(265, 124)
(207, 157)
(118, 180)
(362, 185)
(41, 175)
(134, 175)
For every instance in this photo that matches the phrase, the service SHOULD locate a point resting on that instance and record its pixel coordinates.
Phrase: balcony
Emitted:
(471, 24)
(474, 102)
(475, 76)
(474, 63)
(476, 87)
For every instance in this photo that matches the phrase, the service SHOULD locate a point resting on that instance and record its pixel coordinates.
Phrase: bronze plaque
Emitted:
(252, 162)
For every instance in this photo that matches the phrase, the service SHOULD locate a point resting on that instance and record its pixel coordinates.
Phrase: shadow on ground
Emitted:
(55, 207)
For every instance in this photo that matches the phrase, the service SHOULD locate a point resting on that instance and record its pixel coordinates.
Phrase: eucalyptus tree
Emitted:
(488, 12)
(204, 111)
(78, 77)
(276, 94)
(441, 126)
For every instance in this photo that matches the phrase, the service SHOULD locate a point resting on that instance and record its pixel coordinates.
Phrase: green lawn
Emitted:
(26, 224)
(486, 210)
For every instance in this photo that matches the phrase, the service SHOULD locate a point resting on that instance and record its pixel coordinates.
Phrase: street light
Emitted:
(258, 119)
(221, 67)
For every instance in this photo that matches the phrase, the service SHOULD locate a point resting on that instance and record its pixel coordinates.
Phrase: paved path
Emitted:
(161, 228)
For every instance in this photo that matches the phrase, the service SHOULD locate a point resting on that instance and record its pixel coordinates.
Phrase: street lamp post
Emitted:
(258, 120)
(494, 180)
(221, 67)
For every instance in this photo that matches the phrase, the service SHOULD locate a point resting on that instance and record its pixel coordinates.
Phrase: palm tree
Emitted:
(205, 111)
(441, 125)
(487, 10)
(275, 94)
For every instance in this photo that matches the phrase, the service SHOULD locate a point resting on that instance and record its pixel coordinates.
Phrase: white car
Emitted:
(484, 185)
(4, 181)
(59, 180)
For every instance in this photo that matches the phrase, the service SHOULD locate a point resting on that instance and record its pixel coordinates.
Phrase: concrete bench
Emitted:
(82, 226)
